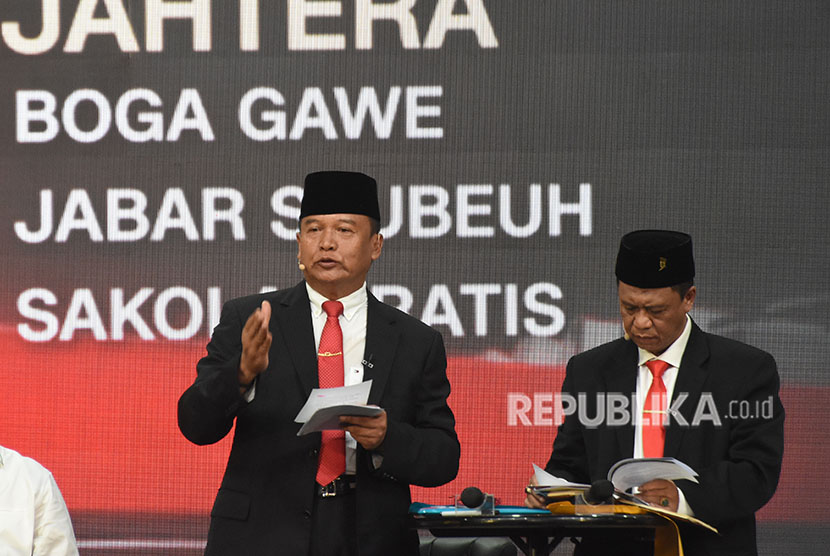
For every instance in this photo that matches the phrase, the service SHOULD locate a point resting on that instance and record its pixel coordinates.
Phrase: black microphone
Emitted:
(472, 497)
(601, 492)
(475, 501)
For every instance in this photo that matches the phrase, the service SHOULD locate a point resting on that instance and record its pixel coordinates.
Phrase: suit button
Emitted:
(313, 453)
(307, 514)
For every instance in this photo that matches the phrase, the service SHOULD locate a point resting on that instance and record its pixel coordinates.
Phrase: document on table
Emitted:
(627, 473)
(324, 406)
(545, 479)
(633, 472)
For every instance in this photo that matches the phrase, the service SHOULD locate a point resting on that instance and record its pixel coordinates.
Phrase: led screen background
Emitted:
(147, 176)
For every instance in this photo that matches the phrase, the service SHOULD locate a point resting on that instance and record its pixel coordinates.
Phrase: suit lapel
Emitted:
(691, 377)
(382, 336)
(294, 319)
(621, 377)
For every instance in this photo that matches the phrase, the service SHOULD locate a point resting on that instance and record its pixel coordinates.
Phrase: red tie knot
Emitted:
(657, 367)
(333, 308)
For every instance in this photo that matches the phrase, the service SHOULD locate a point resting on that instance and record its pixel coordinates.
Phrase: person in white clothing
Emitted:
(34, 520)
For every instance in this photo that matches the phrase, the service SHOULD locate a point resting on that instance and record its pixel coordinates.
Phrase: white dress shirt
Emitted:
(673, 355)
(34, 520)
(353, 325)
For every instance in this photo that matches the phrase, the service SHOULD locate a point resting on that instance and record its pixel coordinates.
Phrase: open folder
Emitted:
(625, 474)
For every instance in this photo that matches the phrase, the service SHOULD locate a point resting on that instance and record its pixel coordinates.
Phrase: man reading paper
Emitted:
(685, 383)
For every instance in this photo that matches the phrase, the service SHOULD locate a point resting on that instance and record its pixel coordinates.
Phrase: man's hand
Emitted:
(256, 341)
(532, 500)
(369, 432)
(660, 493)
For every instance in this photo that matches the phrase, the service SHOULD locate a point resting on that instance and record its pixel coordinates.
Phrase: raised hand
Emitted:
(256, 341)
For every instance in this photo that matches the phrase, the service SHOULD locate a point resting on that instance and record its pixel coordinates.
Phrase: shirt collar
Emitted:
(351, 303)
(674, 353)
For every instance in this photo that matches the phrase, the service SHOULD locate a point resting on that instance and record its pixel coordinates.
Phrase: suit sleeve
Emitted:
(745, 480)
(207, 409)
(569, 459)
(425, 451)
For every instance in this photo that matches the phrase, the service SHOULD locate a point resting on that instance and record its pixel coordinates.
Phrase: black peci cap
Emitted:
(335, 192)
(655, 259)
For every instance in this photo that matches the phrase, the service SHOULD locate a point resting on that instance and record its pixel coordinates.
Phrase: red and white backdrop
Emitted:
(151, 158)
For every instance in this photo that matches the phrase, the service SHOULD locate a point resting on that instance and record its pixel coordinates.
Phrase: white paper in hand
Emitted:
(324, 406)
(328, 418)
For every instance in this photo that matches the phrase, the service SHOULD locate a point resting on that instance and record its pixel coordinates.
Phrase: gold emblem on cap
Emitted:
(662, 264)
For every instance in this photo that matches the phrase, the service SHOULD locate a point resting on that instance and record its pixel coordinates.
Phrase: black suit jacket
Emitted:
(738, 459)
(264, 503)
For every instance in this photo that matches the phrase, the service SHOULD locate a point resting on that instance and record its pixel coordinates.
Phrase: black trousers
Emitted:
(333, 526)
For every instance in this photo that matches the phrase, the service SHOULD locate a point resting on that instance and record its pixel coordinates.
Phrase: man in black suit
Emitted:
(721, 410)
(261, 365)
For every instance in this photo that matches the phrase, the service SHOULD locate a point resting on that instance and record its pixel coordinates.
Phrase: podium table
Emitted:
(538, 533)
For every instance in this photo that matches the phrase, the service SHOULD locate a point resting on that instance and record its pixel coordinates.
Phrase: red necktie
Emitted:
(332, 461)
(654, 410)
